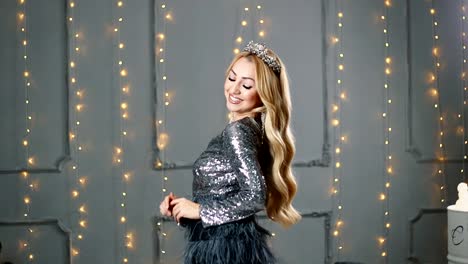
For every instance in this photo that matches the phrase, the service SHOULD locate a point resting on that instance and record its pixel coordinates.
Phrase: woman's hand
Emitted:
(184, 208)
(165, 208)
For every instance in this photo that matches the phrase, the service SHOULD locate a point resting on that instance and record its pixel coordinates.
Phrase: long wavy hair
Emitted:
(273, 90)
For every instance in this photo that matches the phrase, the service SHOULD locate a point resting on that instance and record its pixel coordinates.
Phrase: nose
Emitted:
(235, 88)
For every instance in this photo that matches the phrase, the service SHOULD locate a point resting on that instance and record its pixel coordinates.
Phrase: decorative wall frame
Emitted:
(41, 222)
(323, 161)
(66, 156)
(411, 147)
(412, 258)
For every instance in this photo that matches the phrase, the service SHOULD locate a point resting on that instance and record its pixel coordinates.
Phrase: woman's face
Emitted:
(240, 89)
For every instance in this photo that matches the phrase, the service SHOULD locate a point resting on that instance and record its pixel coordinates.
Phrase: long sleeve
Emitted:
(240, 143)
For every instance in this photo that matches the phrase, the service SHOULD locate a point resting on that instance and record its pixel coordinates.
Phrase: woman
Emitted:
(244, 169)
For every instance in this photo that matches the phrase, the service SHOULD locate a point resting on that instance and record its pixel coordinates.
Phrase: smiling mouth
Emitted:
(234, 100)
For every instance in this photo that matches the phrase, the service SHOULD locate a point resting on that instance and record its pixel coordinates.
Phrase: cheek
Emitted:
(253, 97)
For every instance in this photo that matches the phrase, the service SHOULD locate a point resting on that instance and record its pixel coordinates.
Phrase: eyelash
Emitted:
(246, 87)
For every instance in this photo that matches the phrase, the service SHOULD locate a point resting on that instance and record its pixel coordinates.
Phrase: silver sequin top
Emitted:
(228, 180)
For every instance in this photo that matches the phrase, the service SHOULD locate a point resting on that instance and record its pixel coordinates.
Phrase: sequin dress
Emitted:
(230, 187)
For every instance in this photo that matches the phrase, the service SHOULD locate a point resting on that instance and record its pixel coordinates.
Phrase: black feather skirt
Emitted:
(239, 242)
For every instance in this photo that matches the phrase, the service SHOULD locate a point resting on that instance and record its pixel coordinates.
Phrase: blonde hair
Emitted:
(273, 90)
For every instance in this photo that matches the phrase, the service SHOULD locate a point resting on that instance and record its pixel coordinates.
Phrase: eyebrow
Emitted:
(242, 77)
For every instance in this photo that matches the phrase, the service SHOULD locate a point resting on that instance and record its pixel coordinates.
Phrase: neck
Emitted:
(236, 117)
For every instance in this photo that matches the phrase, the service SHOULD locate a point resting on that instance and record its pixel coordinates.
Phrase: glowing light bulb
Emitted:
(382, 197)
(82, 180)
(244, 23)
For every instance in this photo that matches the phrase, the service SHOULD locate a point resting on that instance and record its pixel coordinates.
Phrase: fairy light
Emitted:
(434, 82)
(339, 139)
(166, 16)
(240, 31)
(79, 215)
(122, 73)
(464, 88)
(25, 141)
(387, 157)
(260, 19)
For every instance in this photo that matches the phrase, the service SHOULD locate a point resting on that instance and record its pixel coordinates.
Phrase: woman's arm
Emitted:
(241, 145)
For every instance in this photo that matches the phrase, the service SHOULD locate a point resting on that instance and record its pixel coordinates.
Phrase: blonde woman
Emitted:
(245, 169)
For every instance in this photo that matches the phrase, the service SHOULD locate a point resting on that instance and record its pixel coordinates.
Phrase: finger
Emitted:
(175, 210)
(166, 201)
(176, 201)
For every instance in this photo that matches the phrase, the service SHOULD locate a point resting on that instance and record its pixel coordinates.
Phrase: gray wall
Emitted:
(199, 43)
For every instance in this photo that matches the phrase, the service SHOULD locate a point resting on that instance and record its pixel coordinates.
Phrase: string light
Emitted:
(119, 153)
(387, 157)
(339, 139)
(260, 18)
(464, 88)
(434, 81)
(25, 142)
(166, 16)
(79, 221)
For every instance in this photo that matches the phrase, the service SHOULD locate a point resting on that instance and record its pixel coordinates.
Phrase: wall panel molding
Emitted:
(324, 158)
(59, 163)
(65, 231)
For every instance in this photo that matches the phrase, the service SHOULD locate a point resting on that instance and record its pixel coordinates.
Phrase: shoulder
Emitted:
(246, 125)
(245, 131)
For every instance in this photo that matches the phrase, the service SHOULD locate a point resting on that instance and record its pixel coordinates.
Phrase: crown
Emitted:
(261, 50)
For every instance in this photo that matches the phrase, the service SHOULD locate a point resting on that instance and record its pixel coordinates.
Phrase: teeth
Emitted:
(235, 99)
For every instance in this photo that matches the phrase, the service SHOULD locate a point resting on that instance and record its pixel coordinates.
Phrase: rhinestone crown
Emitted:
(261, 50)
